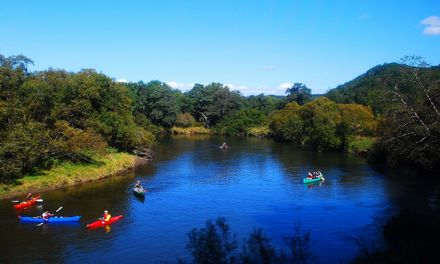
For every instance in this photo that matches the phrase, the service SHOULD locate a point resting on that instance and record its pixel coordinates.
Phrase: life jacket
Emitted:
(45, 216)
(106, 217)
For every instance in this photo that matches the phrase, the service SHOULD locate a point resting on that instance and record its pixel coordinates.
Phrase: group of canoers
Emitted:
(46, 215)
(314, 175)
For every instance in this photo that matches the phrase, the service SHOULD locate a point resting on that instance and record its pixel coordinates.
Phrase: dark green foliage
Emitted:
(215, 244)
(264, 103)
(259, 250)
(411, 236)
(322, 124)
(25, 147)
(369, 88)
(56, 115)
(157, 101)
(299, 93)
(185, 120)
(240, 122)
(410, 130)
(211, 103)
(212, 244)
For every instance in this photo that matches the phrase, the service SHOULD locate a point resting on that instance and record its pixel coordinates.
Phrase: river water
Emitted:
(257, 183)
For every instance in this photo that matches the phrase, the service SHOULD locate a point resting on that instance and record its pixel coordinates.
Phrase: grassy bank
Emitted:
(190, 130)
(67, 174)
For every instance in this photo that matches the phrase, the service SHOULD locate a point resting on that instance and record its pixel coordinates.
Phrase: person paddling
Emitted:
(29, 197)
(106, 216)
(138, 185)
(224, 146)
(46, 215)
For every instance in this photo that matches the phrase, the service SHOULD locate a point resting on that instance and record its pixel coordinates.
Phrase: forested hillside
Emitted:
(406, 97)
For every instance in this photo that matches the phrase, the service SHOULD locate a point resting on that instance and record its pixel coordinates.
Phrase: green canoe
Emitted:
(139, 192)
(317, 179)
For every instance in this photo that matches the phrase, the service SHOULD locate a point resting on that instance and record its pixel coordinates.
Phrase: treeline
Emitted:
(324, 125)
(406, 98)
(52, 116)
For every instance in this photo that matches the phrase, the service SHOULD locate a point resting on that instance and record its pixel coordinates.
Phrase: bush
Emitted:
(185, 120)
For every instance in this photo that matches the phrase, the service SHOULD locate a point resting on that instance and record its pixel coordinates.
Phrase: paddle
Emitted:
(40, 224)
(16, 201)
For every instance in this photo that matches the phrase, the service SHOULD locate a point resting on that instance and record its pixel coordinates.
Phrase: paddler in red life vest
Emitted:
(106, 217)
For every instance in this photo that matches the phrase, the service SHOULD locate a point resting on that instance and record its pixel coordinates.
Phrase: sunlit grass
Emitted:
(260, 131)
(361, 144)
(190, 130)
(68, 173)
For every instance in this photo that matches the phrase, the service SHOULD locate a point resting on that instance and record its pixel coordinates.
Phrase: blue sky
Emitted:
(253, 46)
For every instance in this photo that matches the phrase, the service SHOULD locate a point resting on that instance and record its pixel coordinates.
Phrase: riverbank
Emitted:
(68, 174)
(199, 130)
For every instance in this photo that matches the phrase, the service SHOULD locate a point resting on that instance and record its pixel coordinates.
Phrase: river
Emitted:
(257, 183)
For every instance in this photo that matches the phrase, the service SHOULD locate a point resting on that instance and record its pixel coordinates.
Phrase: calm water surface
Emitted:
(254, 184)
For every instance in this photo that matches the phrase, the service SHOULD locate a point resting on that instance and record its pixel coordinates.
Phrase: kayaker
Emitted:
(309, 176)
(46, 215)
(29, 197)
(106, 217)
(224, 146)
(138, 185)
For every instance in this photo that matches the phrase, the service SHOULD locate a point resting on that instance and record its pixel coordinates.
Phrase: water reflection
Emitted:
(256, 183)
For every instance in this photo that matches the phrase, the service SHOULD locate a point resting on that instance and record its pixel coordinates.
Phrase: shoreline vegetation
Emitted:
(69, 174)
(47, 118)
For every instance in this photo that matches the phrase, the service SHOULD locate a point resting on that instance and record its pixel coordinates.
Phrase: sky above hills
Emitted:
(252, 46)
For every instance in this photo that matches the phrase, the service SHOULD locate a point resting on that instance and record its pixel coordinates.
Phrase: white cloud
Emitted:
(239, 87)
(285, 85)
(432, 25)
(121, 80)
(180, 86)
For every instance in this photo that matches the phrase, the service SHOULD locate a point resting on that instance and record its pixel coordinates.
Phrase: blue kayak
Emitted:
(53, 219)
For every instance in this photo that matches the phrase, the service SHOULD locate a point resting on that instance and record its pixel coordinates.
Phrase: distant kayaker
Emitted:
(46, 215)
(29, 197)
(224, 146)
(138, 185)
(309, 176)
(106, 217)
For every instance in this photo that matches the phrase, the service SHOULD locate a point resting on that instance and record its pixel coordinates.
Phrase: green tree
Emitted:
(212, 102)
(240, 122)
(299, 93)
(157, 101)
(288, 124)
(185, 120)
(212, 244)
(411, 130)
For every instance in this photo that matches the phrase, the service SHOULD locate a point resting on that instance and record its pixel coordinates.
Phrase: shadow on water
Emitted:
(256, 183)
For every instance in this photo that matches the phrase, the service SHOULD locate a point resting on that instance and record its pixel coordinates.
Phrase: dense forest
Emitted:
(51, 116)
(405, 98)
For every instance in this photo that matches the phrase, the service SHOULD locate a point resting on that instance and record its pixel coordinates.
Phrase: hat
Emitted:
(105, 211)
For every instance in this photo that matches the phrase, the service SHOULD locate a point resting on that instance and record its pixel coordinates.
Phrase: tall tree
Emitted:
(412, 126)
(299, 93)
(210, 103)
(158, 102)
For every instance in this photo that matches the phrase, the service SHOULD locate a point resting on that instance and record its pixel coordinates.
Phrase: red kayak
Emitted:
(100, 223)
(27, 203)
